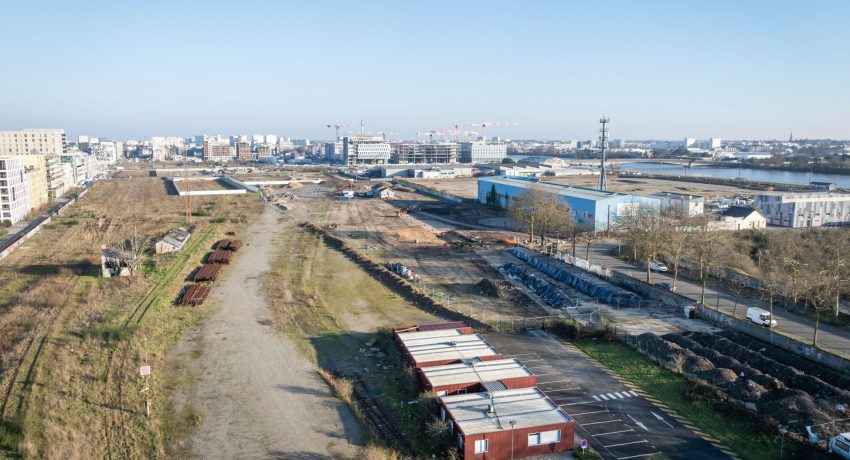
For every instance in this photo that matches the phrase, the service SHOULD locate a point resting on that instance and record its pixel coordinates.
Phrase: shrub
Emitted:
(108, 333)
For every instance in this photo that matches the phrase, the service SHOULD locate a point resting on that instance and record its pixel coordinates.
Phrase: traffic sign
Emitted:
(145, 371)
(583, 443)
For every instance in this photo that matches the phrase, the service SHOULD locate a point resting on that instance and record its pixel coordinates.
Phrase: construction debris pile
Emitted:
(195, 294)
(553, 296)
(782, 393)
(490, 288)
(578, 279)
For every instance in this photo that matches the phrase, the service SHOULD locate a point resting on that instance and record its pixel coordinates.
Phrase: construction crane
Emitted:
(432, 133)
(336, 127)
(485, 124)
(384, 134)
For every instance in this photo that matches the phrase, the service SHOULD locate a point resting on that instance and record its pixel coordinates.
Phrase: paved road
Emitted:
(617, 422)
(830, 336)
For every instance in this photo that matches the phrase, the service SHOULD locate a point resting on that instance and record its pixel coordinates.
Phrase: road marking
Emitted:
(564, 389)
(556, 381)
(521, 354)
(633, 393)
(597, 423)
(660, 418)
(596, 398)
(588, 413)
(543, 375)
(610, 395)
(620, 396)
(575, 403)
(614, 432)
(604, 397)
(638, 423)
(625, 443)
(640, 455)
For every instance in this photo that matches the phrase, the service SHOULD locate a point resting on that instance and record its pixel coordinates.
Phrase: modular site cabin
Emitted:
(446, 346)
(473, 377)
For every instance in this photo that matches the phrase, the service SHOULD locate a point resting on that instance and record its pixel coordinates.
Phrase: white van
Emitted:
(657, 266)
(840, 445)
(761, 317)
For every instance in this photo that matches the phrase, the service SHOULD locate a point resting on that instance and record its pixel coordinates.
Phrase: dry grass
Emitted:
(62, 328)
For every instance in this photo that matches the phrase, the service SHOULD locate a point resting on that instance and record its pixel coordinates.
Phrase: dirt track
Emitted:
(255, 395)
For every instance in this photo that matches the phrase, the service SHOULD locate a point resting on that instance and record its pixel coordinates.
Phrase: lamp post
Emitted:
(512, 423)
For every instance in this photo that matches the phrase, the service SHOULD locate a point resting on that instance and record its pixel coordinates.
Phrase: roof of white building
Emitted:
(560, 189)
(482, 371)
(444, 345)
(528, 407)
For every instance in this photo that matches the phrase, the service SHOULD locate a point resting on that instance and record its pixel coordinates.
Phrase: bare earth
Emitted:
(254, 394)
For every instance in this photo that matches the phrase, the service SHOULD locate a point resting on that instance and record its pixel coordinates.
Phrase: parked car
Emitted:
(761, 317)
(840, 445)
(666, 286)
(657, 266)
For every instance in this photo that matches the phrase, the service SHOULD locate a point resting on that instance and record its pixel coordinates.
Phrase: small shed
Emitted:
(474, 377)
(382, 191)
(507, 424)
(172, 241)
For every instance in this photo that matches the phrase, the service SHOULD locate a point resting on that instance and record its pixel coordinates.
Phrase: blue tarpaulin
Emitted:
(580, 280)
(551, 294)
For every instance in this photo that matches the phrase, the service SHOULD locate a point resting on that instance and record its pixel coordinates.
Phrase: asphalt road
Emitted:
(802, 327)
(617, 422)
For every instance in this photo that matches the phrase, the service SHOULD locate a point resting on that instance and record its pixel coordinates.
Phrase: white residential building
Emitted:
(368, 150)
(804, 209)
(14, 190)
(689, 205)
(48, 142)
(483, 152)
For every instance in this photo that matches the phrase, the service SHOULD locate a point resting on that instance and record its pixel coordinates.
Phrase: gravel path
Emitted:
(257, 397)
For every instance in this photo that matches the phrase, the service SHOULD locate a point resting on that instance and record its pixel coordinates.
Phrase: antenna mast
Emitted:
(603, 140)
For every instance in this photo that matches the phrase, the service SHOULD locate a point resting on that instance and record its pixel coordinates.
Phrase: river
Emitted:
(758, 175)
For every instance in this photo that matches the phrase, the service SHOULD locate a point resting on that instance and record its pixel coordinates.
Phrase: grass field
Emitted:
(740, 434)
(72, 342)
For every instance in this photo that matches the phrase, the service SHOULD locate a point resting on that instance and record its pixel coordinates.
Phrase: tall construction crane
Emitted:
(432, 133)
(485, 124)
(336, 127)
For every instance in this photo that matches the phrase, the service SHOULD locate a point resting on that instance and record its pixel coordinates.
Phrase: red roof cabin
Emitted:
(490, 425)
(440, 347)
(475, 377)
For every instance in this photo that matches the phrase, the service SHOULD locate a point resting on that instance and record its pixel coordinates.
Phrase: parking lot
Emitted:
(616, 421)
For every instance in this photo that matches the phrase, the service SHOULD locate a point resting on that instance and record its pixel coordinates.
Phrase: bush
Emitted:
(587, 454)
(109, 333)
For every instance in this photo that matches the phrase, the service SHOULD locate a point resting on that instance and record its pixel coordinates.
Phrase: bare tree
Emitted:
(705, 250)
(131, 250)
(644, 231)
(678, 235)
(526, 209)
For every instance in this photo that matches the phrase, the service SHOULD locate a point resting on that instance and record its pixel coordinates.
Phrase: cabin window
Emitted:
(545, 437)
(481, 446)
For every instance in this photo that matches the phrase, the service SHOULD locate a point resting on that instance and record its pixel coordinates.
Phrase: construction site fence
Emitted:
(409, 290)
(772, 336)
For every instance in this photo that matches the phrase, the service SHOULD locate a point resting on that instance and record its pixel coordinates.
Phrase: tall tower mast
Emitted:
(603, 140)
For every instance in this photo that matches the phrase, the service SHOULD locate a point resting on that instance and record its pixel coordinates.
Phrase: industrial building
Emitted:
(14, 190)
(483, 152)
(441, 347)
(542, 170)
(365, 150)
(507, 424)
(686, 204)
(475, 377)
(426, 171)
(415, 153)
(804, 209)
(592, 209)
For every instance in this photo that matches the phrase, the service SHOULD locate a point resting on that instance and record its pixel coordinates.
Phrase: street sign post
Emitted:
(145, 371)
(583, 444)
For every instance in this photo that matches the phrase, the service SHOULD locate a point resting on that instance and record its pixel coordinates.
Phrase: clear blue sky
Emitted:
(733, 69)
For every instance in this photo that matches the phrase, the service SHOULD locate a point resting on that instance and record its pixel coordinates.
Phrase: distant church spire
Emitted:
(791, 137)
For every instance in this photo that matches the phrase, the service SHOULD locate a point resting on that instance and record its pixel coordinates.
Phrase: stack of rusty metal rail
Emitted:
(229, 245)
(219, 256)
(207, 272)
(194, 295)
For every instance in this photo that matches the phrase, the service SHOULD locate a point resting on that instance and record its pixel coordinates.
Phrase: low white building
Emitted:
(804, 209)
(483, 152)
(426, 171)
(689, 205)
(14, 190)
(172, 241)
(741, 218)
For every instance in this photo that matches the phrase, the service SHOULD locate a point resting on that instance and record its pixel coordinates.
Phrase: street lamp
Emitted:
(512, 423)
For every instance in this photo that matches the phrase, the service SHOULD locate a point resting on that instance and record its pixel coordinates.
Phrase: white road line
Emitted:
(596, 398)
(614, 432)
(588, 413)
(605, 398)
(597, 423)
(633, 393)
(563, 389)
(575, 403)
(520, 354)
(530, 360)
(639, 455)
(619, 395)
(625, 443)
(543, 375)
(556, 381)
(610, 395)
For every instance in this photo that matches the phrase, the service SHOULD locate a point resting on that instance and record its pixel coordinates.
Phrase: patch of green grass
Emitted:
(741, 435)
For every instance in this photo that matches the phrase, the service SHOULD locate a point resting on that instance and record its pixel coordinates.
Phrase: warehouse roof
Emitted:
(528, 407)
(430, 346)
(560, 189)
(482, 371)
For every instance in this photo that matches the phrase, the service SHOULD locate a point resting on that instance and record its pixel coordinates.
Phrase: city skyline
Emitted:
(659, 69)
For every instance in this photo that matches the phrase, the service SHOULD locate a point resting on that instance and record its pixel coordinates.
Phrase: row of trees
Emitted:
(810, 269)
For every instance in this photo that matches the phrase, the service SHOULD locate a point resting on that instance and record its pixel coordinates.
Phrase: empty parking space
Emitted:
(616, 420)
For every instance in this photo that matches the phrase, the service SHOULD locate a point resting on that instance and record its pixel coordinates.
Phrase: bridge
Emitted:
(686, 162)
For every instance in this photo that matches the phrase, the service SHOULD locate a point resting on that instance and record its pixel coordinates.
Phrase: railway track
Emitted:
(379, 420)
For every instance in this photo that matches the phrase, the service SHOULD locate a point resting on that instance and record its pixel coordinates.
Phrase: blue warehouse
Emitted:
(592, 209)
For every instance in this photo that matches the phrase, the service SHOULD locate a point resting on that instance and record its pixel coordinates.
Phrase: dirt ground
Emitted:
(468, 187)
(247, 382)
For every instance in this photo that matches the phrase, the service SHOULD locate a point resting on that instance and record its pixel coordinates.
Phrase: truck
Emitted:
(840, 445)
(761, 317)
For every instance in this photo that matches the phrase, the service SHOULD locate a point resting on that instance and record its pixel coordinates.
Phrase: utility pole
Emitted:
(512, 422)
(603, 140)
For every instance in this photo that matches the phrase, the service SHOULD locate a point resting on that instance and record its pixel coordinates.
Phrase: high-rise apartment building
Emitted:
(49, 143)
(483, 152)
(14, 190)
(35, 170)
(243, 151)
(414, 153)
(365, 150)
(217, 150)
(333, 151)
